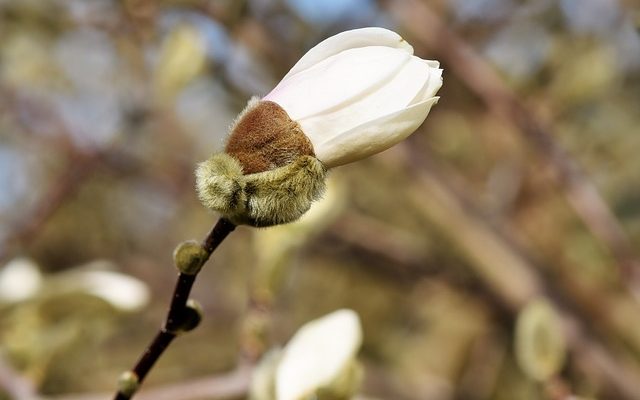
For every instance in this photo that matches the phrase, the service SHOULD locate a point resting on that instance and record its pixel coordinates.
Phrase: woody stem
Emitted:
(175, 316)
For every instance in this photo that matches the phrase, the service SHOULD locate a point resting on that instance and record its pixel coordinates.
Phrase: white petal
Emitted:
(20, 279)
(350, 40)
(374, 136)
(396, 94)
(431, 88)
(319, 351)
(121, 291)
(338, 81)
(433, 63)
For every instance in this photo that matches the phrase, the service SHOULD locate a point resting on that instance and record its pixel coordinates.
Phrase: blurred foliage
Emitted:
(106, 107)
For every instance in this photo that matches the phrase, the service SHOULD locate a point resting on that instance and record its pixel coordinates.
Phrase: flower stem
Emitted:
(175, 316)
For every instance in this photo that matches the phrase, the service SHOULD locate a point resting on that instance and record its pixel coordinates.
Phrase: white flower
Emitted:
(20, 280)
(353, 95)
(319, 354)
(122, 291)
(99, 278)
(358, 93)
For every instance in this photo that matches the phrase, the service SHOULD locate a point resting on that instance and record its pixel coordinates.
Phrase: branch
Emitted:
(181, 316)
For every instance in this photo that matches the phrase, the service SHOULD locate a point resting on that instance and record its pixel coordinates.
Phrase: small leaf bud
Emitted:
(191, 317)
(189, 257)
(128, 383)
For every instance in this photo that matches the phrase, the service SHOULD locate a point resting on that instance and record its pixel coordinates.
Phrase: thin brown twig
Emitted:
(177, 311)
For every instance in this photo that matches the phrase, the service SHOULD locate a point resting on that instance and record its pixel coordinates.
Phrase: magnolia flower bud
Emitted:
(353, 95)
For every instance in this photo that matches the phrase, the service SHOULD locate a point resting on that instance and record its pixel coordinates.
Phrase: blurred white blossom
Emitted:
(318, 355)
(20, 279)
(122, 291)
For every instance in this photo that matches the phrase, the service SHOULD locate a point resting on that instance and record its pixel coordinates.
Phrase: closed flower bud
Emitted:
(353, 95)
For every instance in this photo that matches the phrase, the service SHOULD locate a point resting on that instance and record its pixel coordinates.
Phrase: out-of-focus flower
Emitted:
(317, 363)
(121, 291)
(320, 358)
(358, 93)
(20, 279)
(182, 58)
(353, 95)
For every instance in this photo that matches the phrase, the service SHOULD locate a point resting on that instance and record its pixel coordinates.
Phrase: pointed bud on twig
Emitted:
(189, 257)
(192, 315)
(128, 383)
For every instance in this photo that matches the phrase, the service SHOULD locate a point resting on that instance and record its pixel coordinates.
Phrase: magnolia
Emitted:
(21, 280)
(358, 93)
(319, 357)
(355, 94)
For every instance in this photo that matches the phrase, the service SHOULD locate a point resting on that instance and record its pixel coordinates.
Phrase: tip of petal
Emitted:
(374, 136)
(404, 45)
(433, 63)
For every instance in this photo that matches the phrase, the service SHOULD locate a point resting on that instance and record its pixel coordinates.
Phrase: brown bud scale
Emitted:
(265, 138)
